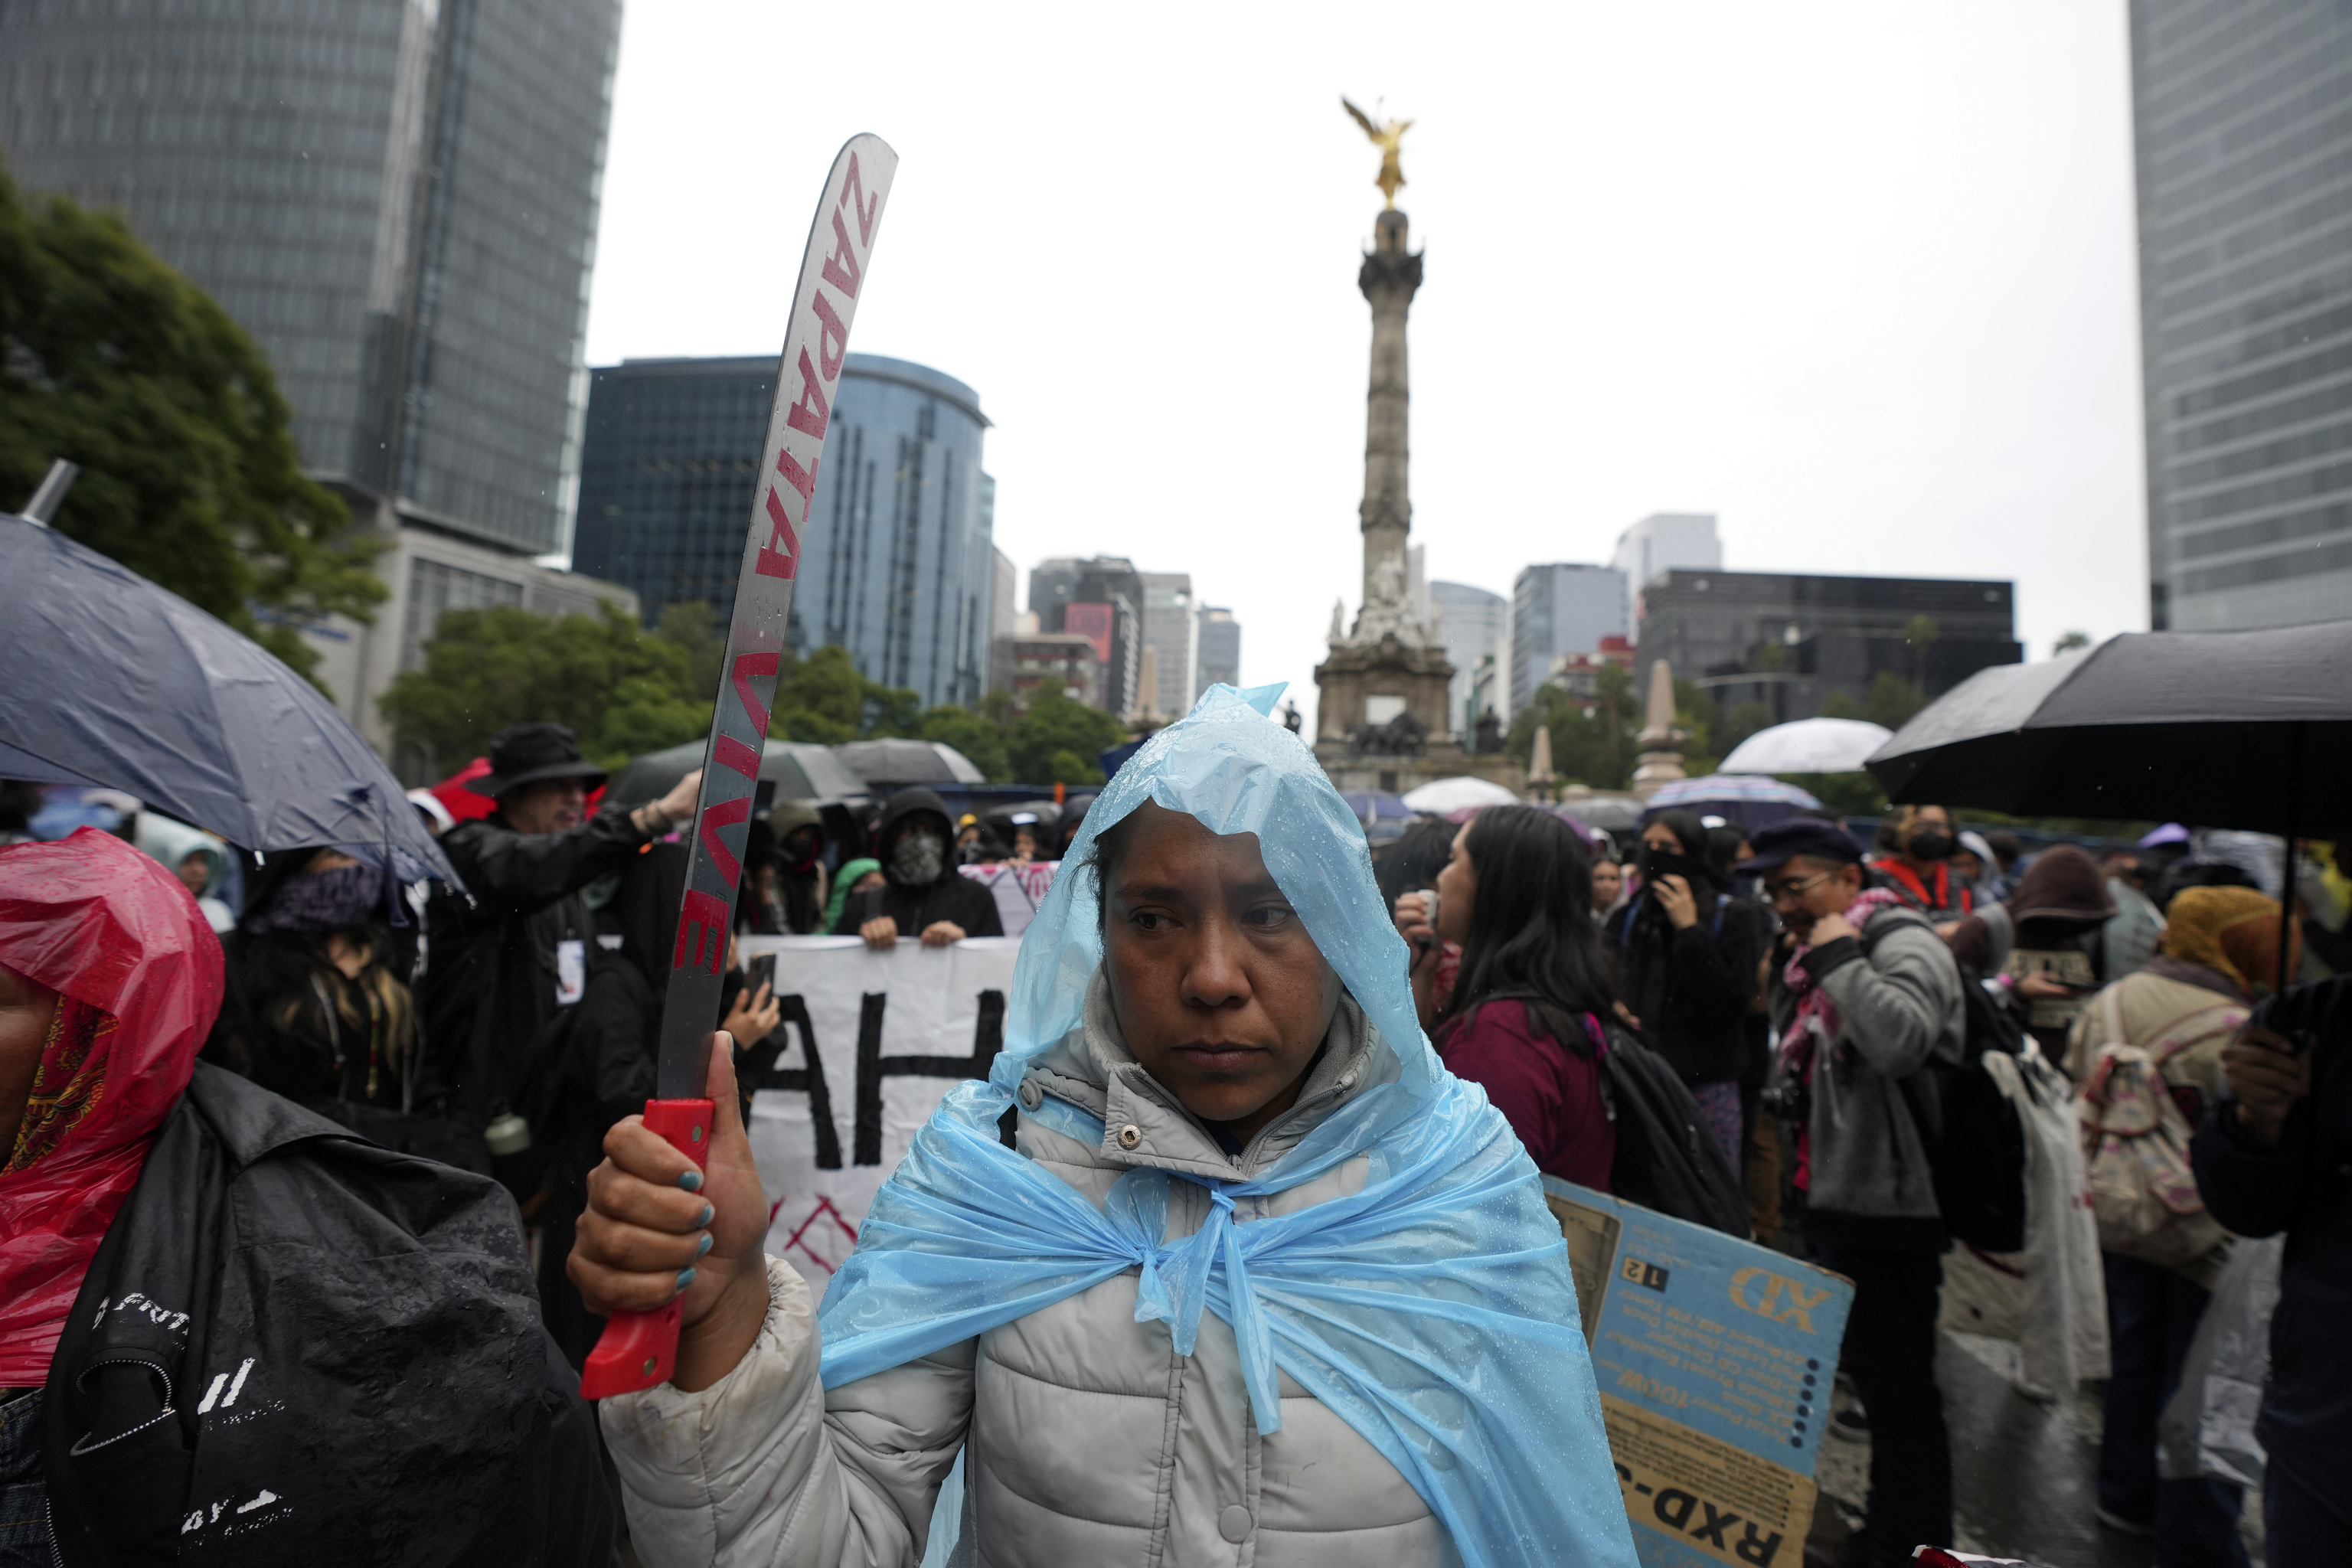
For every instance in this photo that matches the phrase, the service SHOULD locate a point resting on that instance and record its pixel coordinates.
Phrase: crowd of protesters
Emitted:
(263, 1032)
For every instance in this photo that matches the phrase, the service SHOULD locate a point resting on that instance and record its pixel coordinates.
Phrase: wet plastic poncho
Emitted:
(1432, 1309)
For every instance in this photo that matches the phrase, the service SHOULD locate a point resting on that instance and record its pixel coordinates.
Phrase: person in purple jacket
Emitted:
(1524, 1016)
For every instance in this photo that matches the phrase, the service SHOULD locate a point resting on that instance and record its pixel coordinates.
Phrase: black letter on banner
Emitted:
(1716, 1523)
(873, 1067)
(1759, 1553)
(1673, 1506)
(809, 1080)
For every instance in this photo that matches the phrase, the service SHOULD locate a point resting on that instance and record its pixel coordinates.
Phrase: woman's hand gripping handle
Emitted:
(669, 1246)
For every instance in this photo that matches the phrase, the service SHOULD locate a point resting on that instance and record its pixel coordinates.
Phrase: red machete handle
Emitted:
(639, 1350)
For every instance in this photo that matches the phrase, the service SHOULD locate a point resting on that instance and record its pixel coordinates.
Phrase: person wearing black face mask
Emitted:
(1916, 867)
(923, 895)
(1689, 954)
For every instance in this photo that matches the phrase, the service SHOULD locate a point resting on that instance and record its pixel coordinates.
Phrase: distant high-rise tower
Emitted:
(2241, 140)
(1557, 609)
(1476, 623)
(899, 566)
(1221, 649)
(1658, 544)
(398, 199)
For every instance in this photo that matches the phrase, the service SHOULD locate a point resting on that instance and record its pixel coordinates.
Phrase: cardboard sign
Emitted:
(868, 1045)
(1714, 1358)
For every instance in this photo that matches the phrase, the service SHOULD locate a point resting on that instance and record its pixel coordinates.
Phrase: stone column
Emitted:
(1388, 278)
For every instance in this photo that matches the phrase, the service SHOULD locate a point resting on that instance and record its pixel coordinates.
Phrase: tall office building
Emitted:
(897, 563)
(398, 199)
(1660, 543)
(1221, 649)
(1556, 609)
(1004, 613)
(1476, 623)
(1172, 630)
(1112, 585)
(1788, 641)
(2244, 149)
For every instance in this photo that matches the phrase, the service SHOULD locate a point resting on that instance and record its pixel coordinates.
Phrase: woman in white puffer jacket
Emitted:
(1209, 1119)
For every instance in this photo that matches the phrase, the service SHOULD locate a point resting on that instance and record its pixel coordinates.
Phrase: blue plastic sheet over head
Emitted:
(1432, 1309)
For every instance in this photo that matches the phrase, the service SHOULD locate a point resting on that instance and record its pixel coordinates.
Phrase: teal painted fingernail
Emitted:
(685, 1278)
(707, 1212)
(691, 1180)
(704, 1246)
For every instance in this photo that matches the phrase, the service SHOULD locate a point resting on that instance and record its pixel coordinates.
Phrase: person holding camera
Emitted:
(1688, 951)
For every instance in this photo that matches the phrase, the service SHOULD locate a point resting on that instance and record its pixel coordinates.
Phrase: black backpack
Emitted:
(1974, 1137)
(1666, 1159)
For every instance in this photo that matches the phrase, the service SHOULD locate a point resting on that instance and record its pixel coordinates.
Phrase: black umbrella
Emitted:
(2249, 730)
(115, 683)
(795, 770)
(887, 766)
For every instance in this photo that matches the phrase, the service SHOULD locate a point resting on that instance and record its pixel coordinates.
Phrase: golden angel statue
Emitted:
(1385, 135)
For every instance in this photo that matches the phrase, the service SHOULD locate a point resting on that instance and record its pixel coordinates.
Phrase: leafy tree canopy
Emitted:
(1057, 739)
(1892, 702)
(625, 691)
(113, 361)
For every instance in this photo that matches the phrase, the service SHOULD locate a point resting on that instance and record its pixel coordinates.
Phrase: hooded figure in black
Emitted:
(1689, 951)
(923, 896)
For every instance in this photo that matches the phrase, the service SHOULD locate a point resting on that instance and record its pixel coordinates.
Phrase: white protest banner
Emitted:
(868, 1045)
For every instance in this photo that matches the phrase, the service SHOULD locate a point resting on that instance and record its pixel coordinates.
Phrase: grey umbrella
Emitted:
(799, 772)
(885, 765)
(117, 683)
(2249, 729)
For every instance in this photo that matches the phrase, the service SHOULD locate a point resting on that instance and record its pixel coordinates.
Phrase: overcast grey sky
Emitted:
(1858, 278)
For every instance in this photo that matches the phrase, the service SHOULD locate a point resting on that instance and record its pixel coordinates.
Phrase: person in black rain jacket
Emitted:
(513, 946)
(2274, 1154)
(923, 895)
(236, 1332)
(1689, 951)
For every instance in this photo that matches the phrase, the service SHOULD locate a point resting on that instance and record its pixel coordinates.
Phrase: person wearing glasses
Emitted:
(1868, 996)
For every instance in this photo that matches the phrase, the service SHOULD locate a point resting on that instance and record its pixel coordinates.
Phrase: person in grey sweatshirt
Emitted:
(1869, 996)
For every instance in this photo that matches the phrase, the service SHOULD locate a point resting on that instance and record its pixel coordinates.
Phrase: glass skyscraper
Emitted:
(898, 563)
(2242, 132)
(396, 197)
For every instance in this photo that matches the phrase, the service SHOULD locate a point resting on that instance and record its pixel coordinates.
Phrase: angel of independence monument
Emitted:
(1381, 712)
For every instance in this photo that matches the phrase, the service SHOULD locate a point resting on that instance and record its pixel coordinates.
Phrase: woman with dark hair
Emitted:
(1688, 951)
(1524, 1019)
(319, 1007)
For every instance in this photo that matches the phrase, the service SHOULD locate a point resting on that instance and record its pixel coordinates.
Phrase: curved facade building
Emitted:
(899, 561)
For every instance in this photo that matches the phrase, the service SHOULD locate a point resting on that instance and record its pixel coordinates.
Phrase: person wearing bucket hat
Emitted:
(513, 946)
(1260, 1282)
(1868, 994)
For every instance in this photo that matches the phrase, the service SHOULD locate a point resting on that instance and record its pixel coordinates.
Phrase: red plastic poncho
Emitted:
(138, 973)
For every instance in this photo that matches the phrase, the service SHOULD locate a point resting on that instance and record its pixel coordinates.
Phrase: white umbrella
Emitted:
(1441, 795)
(1808, 746)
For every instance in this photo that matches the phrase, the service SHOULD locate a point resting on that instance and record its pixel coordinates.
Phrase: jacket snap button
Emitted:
(1130, 1136)
(1234, 1524)
(1031, 1095)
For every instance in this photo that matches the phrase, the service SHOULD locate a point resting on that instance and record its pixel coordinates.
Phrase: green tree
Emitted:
(1058, 739)
(1594, 748)
(1739, 722)
(981, 741)
(1892, 702)
(689, 625)
(113, 361)
(1848, 794)
(2068, 642)
(1920, 632)
(622, 689)
(825, 699)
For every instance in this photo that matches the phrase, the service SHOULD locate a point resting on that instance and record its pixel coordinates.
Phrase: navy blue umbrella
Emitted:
(113, 682)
